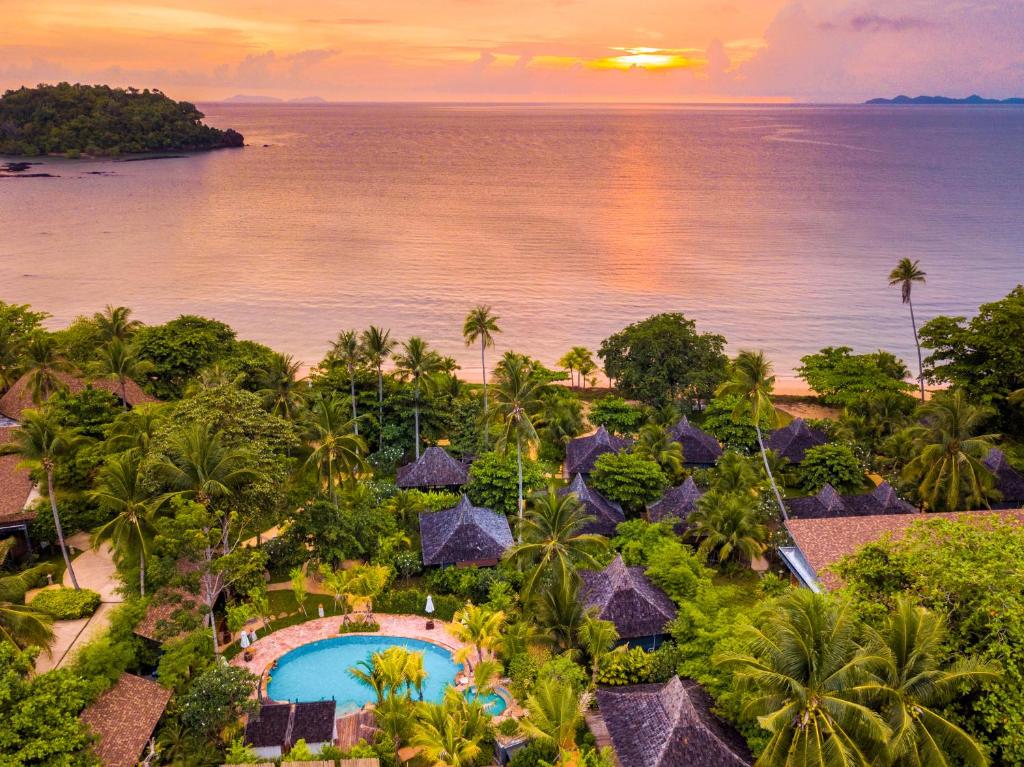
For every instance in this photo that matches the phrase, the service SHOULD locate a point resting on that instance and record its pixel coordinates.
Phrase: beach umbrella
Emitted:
(244, 641)
(430, 605)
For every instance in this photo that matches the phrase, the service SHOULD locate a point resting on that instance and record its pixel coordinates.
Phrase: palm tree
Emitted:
(915, 688)
(451, 733)
(656, 444)
(556, 712)
(282, 391)
(135, 429)
(40, 441)
(728, 525)
(336, 446)
(368, 673)
(44, 365)
(948, 467)
(115, 323)
(597, 637)
(479, 627)
(517, 398)
(905, 274)
(118, 362)
(552, 542)
(585, 364)
(559, 611)
(347, 350)
(416, 362)
(751, 380)
(377, 347)
(481, 325)
(735, 474)
(122, 489)
(20, 624)
(809, 677)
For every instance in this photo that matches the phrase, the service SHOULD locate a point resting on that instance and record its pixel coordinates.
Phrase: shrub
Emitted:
(67, 604)
(412, 602)
(508, 727)
(628, 479)
(632, 666)
(536, 753)
(616, 415)
(359, 627)
(833, 464)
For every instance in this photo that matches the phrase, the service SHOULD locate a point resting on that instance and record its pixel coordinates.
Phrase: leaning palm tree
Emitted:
(479, 627)
(752, 382)
(481, 325)
(336, 446)
(597, 638)
(727, 525)
(517, 402)
(122, 489)
(20, 624)
(377, 346)
(915, 688)
(119, 362)
(905, 274)
(347, 350)
(416, 363)
(809, 678)
(552, 543)
(556, 712)
(283, 392)
(948, 468)
(40, 442)
(44, 365)
(115, 322)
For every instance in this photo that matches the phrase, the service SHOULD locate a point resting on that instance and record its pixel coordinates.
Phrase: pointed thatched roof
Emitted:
(434, 468)
(607, 514)
(15, 487)
(792, 441)
(627, 598)
(1009, 481)
(829, 503)
(699, 447)
(19, 397)
(465, 533)
(124, 717)
(677, 502)
(669, 725)
(282, 724)
(582, 452)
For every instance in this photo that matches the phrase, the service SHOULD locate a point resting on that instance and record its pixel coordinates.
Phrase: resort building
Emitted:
(274, 730)
(581, 453)
(607, 514)
(16, 495)
(676, 503)
(160, 623)
(666, 725)
(465, 535)
(829, 503)
(700, 449)
(1009, 481)
(434, 470)
(793, 441)
(627, 598)
(18, 398)
(123, 719)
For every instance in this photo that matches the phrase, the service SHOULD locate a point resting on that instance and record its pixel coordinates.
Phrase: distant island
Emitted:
(243, 98)
(942, 100)
(100, 121)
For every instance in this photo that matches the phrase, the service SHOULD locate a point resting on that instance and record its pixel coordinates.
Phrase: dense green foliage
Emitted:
(616, 415)
(842, 377)
(493, 481)
(629, 479)
(834, 464)
(66, 604)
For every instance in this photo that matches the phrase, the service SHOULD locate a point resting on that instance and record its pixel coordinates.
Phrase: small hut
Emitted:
(607, 514)
(18, 398)
(829, 503)
(16, 493)
(276, 727)
(676, 503)
(669, 725)
(627, 598)
(793, 441)
(581, 453)
(434, 469)
(700, 449)
(123, 719)
(465, 535)
(1009, 481)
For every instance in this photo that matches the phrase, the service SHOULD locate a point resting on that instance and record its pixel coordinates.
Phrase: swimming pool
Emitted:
(319, 670)
(494, 704)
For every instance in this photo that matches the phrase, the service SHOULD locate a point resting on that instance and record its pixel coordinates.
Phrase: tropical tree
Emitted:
(347, 350)
(728, 525)
(481, 325)
(377, 346)
(40, 442)
(948, 468)
(452, 732)
(808, 678)
(556, 712)
(552, 543)
(336, 446)
(479, 627)
(44, 365)
(20, 623)
(135, 429)
(905, 274)
(122, 489)
(751, 381)
(734, 474)
(283, 393)
(297, 578)
(558, 610)
(119, 362)
(517, 400)
(116, 323)
(655, 444)
(597, 638)
(416, 363)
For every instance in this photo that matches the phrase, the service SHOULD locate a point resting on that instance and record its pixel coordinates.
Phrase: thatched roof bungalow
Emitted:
(829, 503)
(1009, 481)
(700, 449)
(581, 453)
(18, 398)
(435, 468)
(16, 491)
(607, 514)
(793, 441)
(669, 725)
(676, 503)
(276, 727)
(123, 719)
(464, 535)
(627, 598)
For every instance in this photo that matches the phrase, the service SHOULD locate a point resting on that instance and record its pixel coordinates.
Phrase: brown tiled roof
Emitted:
(607, 514)
(582, 452)
(828, 503)
(434, 468)
(669, 725)
(676, 503)
(158, 622)
(794, 440)
(1009, 481)
(699, 447)
(124, 717)
(15, 486)
(823, 542)
(627, 598)
(19, 398)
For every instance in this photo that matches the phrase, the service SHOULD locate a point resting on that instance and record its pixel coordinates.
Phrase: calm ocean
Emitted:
(774, 226)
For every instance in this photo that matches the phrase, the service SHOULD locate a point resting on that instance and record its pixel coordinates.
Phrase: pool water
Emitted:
(319, 671)
(494, 704)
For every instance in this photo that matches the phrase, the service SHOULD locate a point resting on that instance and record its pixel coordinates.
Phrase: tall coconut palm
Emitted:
(809, 678)
(752, 382)
(905, 274)
(517, 401)
(451, 733)
(558, 610)
(479, 627)
(948, 467)
(336, 446)
(116, 323)
(597, 638)
(481, 325)
(20, 624)
(44, 365)
(727, 524)
(416, 362)
(40, 442)
(122, 489)
(348, 351)
(556, 712)
(915, 688)
(552, 542)
(119, 362)
(283, 392)
(377, 346)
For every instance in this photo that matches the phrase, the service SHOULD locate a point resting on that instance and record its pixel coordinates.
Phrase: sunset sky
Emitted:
(525, 50)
